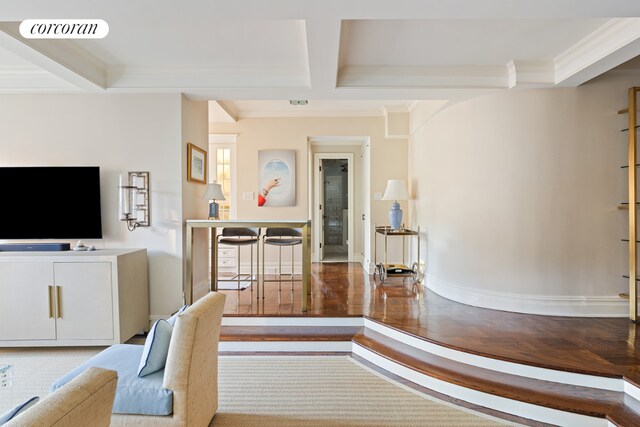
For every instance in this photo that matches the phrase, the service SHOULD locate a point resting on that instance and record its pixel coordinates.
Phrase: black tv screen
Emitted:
(50, 203)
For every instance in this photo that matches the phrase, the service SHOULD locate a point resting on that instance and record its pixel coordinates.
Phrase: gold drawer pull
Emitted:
(50, 291)
(59, 310)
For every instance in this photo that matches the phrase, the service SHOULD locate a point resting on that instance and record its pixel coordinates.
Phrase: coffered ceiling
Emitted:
(342, 55)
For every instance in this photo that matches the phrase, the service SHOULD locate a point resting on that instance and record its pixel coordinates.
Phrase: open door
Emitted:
(365, 159)
(333, 206)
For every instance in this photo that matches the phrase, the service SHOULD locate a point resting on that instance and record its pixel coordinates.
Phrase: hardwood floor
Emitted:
(600, 346)
(605, 347)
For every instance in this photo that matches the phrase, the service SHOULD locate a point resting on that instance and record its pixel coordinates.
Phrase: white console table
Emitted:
(72, 298)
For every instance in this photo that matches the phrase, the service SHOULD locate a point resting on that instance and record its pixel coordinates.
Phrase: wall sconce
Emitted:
(213, 192)
(134, 200)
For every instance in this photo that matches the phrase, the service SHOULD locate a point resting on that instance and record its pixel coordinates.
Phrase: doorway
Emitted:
(334, 206)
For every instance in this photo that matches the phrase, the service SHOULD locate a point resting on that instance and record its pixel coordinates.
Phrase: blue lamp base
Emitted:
(395, 216)
(214, 210)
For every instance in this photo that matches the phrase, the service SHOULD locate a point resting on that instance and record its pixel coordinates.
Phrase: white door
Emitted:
(365, 157)
(321, 211)
(85, 300)
(26, 311)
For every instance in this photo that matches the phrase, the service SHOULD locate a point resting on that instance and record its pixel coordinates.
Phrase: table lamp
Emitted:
(213, 193)
(396, 190)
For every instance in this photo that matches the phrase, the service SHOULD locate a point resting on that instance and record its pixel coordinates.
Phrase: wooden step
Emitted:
(288, 333)
(625, 415)
(569, 398)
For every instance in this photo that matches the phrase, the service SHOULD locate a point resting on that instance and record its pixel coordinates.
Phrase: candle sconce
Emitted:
(134, 200)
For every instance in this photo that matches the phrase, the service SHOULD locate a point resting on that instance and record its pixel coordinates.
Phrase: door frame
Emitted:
(317, 226)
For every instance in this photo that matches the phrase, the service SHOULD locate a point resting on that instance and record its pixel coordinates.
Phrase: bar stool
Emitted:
(239, 236)
(280, 237)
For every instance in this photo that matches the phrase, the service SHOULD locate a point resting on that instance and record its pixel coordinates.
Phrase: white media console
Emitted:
(73, 298)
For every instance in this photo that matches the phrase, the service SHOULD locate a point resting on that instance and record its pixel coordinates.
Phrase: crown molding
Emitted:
(607, 41)
(338, 140)
(31, 79)
(312, 113)
(223, 138)
(397, 108)
(205, 77)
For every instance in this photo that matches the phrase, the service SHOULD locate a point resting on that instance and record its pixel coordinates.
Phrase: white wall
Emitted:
(518, 193)
(119, 133)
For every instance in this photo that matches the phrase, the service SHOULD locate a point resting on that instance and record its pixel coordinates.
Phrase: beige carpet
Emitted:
(265, 391)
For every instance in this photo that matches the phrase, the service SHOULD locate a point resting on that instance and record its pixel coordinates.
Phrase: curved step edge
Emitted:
(528, 371)
(518, 408)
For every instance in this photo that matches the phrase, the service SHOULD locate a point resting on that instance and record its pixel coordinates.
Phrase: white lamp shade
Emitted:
(213, 192)
(396, 190)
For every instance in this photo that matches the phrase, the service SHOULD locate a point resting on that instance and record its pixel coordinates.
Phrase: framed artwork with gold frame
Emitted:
(196, 164)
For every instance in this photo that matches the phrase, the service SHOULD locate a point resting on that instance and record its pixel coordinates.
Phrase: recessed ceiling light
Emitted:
(298, 101)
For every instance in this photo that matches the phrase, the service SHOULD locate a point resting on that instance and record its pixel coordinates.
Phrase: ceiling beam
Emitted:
(61, 58)
(228, 110)
(323, 50)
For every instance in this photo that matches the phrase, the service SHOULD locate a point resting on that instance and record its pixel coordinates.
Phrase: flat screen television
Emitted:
(50, 203)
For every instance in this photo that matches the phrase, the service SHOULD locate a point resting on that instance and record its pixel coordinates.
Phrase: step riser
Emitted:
(521, 409)
(285, 346)
(582, 380)
(292, 321)
(632, 390)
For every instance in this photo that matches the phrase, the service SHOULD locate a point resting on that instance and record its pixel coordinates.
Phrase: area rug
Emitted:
(266, 391)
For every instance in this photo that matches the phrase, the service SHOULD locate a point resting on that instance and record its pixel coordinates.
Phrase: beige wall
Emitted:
(195, 122)
(388, 158)
(518, 194)
(119, 133)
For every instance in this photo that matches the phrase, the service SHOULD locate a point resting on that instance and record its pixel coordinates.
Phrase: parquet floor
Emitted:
(602, 346)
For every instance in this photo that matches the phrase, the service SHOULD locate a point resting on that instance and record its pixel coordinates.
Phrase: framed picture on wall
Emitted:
(277, 174)
(196, 164)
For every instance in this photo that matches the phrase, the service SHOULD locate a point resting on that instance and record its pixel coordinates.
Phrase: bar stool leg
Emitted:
(251, 269)
(264, 250)
(257, 269)
(293, 259)
(279, 272)
(238, 273)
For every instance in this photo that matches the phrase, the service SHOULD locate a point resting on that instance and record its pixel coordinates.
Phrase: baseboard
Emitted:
(548, 305)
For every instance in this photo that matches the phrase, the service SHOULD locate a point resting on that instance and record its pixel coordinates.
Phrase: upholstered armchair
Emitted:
(85, 401)
(185, 392)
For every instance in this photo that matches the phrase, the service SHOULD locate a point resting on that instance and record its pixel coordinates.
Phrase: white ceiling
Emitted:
(346, 57)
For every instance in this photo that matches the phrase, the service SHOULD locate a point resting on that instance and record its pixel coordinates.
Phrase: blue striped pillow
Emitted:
(8, 416)
(156, 348)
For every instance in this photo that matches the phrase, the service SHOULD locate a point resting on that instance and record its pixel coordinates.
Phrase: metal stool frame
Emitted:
(241, 236)
(281, 237)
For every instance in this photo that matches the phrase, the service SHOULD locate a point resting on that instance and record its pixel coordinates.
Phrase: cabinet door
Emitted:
(25, 304)
(83, 292)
